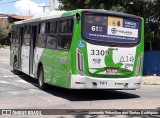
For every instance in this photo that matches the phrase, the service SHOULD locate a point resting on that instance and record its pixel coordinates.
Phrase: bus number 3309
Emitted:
(100, 52)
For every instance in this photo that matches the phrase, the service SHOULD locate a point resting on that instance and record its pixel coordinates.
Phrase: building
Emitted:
(10, 18)
(3, 19)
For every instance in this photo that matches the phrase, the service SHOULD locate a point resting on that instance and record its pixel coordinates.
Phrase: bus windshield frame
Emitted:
(107, 42)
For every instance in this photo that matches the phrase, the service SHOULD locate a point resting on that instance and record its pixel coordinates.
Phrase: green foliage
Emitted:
(4, 30)
(4, 33)
(88, 4)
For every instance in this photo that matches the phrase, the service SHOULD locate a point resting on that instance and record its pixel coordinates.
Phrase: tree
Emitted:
(88, 4)
(4, 33)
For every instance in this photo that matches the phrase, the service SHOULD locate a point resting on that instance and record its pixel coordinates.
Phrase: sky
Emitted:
(24, 7)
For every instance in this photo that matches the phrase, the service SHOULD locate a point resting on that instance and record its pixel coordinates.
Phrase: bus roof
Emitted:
(40, 17)
(57, 14)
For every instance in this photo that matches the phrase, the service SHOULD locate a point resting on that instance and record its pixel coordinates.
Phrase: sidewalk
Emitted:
(151, 80)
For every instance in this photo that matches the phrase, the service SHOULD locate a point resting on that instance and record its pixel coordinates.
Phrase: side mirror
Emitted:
(78, 16)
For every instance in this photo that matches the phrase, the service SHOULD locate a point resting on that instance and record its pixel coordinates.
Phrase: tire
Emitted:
(15, 67)
(41, 83)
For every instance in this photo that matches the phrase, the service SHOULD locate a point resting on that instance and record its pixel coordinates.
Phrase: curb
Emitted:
(150, 80)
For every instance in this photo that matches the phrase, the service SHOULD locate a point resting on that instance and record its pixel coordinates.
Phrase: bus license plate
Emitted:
(102, 83)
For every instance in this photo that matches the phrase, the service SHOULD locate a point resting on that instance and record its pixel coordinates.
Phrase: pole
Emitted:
(29, 8)
(51, 5)
(43, 8)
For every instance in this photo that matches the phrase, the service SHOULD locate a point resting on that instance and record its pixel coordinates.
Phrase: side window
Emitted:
(41, 41)
(17, 33)
(38, 32)
(51, 37)
(64, 42)
(70, 26)
(52, 25)
(65, 34)
(51, 41)
(11, 38)
(63, 26)
(27, 31)
(43, 28)
(13, 34)
(39, 28)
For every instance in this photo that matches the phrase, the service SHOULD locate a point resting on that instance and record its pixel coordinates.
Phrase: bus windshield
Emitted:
(111, 28)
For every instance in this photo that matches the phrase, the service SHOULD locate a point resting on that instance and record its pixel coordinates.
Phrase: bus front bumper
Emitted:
(85, 82)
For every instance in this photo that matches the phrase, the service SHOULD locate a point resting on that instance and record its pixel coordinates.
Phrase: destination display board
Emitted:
(111, 29)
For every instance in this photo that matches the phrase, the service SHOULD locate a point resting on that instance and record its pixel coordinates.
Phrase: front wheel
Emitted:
(41, 83)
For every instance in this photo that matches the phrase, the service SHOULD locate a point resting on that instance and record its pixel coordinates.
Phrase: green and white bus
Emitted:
(80, 49)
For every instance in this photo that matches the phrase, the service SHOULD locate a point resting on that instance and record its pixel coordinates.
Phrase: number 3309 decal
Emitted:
(100, 52)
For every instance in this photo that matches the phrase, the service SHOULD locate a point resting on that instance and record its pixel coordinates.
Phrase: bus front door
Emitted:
(20, 46)
(32, 47)
(25, 50)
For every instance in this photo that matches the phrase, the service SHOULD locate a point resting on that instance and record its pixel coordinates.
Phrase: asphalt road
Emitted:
(21, 92)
